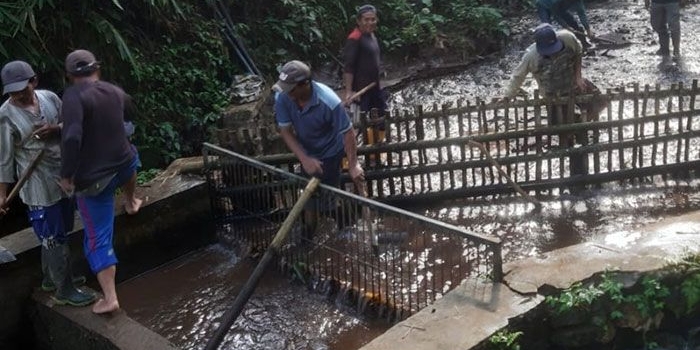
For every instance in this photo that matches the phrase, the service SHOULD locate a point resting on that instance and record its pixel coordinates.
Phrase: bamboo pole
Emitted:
(248, 289)
(23, 179)
(510, 181)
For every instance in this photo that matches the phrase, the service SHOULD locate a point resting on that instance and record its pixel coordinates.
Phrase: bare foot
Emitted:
(132, 206)
(103, 306)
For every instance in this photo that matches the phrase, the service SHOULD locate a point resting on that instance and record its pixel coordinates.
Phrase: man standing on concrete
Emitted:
(29, 128)
(97, 159)
(665, 16)
(362, 64)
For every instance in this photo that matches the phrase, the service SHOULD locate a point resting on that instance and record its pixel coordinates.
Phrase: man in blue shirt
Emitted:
(322, 129)
(322, 133)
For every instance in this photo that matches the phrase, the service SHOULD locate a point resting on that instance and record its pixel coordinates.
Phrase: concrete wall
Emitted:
(174, 220)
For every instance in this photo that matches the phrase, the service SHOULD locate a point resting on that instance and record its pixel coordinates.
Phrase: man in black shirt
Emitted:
(362, 60)
(97, 159)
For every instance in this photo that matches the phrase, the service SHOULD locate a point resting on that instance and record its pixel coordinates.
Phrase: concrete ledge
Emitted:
(462, 319)
(467, 316)
(77, 328)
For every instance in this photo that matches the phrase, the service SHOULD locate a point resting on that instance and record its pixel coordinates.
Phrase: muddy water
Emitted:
(606, 68)
(610, 214)
(185, 299)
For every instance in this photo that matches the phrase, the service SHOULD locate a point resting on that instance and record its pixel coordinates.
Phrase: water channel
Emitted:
(184, 299)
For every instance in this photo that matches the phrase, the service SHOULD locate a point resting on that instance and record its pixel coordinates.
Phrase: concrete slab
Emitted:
(475, 310)
(77, 328)
(648, 249)
(462, 319)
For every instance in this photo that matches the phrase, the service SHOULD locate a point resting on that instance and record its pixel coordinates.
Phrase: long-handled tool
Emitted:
(361, 189)
(516, 187)
(252, 283)
(23, 179)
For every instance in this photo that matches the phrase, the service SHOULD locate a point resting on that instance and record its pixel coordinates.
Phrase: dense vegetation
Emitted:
(173, 57)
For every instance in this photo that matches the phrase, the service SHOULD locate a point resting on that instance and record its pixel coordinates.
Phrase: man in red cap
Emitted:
(97, 159)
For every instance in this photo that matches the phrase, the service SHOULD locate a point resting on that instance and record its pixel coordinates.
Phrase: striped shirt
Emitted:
(18, 149)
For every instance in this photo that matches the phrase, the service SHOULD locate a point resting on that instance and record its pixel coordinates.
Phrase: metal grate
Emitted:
(384, 259)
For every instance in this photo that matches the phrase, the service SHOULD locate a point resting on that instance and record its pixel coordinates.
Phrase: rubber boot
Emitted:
(676, 39)
(47, 284)
(58, 263)
(663, 45)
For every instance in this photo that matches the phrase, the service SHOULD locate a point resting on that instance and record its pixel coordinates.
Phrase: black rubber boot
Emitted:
(47, 284)
(58, 264)
(663, 45)
(676, 39)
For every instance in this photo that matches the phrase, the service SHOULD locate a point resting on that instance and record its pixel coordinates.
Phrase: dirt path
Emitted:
(623, 66)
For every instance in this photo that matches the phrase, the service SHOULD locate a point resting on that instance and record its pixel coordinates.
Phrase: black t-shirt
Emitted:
(361, 56)
(94, 143)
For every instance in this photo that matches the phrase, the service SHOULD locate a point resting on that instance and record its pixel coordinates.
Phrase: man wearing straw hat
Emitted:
(29, 128)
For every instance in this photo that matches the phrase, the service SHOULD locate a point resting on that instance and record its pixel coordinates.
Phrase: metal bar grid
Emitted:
(382, 259)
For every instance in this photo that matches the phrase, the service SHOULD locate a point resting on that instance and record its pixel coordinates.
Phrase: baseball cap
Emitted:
(364, 9)
(546, 40)
(81, 62)
(16, 76)
(292, 73)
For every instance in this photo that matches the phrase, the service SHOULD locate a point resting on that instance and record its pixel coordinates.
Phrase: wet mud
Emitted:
(607, 67)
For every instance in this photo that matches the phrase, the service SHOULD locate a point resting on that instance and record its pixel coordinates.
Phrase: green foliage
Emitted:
(482, 20)
(690, 288)
(179, 93)
(576, 296)
(651, 299)
(410, 22)
(143, 177)
(505, 340)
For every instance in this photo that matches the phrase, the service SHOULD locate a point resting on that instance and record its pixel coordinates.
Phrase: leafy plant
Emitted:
(505, 340)
(690, 288)
(576, 296)
(143, 177)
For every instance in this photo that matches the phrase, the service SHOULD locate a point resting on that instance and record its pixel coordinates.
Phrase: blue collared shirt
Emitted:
(320, 126)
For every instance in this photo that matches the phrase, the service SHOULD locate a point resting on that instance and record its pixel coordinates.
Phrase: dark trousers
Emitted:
(666, 18)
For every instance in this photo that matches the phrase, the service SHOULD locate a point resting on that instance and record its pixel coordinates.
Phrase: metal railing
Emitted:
(383, 259)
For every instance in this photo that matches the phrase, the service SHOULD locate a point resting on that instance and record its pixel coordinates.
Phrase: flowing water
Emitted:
(185, 299)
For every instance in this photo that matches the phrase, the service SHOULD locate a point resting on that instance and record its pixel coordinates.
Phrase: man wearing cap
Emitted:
(97, 159)
(29, 126)
(665, 17)
(555, 62)
(361, 67)
(322, 130)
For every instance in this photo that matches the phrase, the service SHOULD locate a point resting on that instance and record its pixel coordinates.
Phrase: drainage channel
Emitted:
(185, 299)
